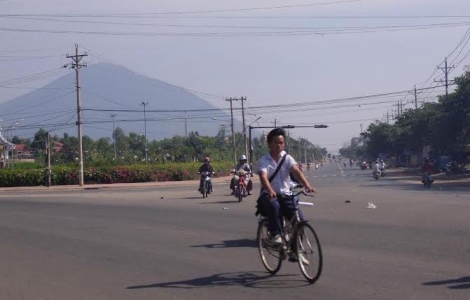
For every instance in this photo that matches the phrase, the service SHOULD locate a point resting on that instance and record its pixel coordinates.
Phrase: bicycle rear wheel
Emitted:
(309, 252)
(270, 254)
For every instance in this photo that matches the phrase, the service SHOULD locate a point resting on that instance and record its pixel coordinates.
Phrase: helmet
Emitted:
(207, 159)
(428, 159)
(242, 157)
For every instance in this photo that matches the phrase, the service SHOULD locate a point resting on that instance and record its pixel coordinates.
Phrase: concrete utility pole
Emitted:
(113, 116)
(399, 108)
(76, 59)
(446, 70)
(243, 99)
(416, 97)
(186, 123)
(144, 104)
(234, 151)
(300, 151)
(48, 160)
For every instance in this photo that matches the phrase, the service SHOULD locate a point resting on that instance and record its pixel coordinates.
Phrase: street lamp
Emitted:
(144, 104)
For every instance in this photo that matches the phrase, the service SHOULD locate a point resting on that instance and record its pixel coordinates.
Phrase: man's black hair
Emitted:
(276, 132)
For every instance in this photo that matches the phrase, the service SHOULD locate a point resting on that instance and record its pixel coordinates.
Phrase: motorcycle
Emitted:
(363, 166)
(427, 180)
(376, 175)
(206, 183)
(240, 191)
(382, 172)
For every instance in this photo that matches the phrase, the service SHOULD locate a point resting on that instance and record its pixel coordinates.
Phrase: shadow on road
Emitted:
(246, 279)
(456, 284)
(231, 244)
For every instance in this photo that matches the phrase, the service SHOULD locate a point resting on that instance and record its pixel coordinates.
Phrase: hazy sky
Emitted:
(273, 52)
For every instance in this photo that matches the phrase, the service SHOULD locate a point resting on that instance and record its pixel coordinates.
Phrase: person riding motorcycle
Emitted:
(206, 167)
(376, 168)
(427, 169)
(382, 167)
(242, 164)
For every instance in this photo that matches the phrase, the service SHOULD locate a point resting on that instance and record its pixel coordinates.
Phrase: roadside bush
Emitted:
(68, 174)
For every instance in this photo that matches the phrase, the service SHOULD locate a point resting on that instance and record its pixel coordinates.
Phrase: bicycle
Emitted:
(299, 241)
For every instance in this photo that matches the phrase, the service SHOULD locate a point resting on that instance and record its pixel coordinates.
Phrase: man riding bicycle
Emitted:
(281, 183)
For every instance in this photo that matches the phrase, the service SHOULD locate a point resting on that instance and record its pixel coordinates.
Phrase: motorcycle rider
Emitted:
(242, 164)
(382, 167)
(206, 167)
(427, 169)
(376, 168)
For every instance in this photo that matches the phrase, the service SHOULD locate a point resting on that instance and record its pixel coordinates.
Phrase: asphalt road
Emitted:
(169, 243)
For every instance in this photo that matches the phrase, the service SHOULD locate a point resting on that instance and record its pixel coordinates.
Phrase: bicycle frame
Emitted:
(289, 227)
(299, 241)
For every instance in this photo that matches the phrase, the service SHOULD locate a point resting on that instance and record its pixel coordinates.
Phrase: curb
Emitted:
(57, 188)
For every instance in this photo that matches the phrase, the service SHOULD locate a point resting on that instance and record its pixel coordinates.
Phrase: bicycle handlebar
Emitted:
(297, 194)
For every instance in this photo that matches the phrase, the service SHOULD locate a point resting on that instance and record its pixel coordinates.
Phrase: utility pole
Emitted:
(243, 99)
(144, 104)
(300, 151)
(399, 108)
(305, 154)
(287, 142)
(446, 70)
(76, 59)
(186, 123)
(416, 97)
(234, 152)
(275, 123)
(113, 116)
(48, 160)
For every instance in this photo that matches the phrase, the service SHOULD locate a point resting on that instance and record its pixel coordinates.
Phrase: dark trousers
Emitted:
(200, 185)
(273, 208)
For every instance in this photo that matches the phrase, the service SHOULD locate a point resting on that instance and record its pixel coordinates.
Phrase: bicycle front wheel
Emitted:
(309, 252)
(270, 254)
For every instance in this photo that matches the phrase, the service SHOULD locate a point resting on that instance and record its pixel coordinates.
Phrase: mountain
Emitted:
(108, 89)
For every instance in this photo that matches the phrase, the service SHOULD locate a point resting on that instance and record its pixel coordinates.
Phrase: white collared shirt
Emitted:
(280, 183)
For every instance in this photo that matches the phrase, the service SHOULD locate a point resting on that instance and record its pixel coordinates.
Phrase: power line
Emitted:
(244, 33)
(195, 11)
(305, 28)
(38, 104)
(274, 106)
